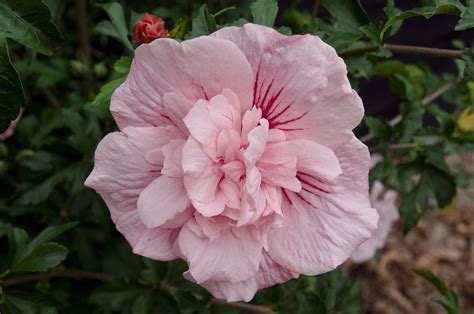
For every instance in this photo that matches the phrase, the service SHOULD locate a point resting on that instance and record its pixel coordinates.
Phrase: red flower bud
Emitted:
(149, 28)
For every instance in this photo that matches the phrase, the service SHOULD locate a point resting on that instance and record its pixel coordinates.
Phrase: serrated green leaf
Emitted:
(29, 23)
(468, 58)
(264, 12)
(204, 23)
(179, 29)
(122, 65)
(310, 303)
(26, 303)
(50, 233)
(431, 8)
(117, 28)
(42, 258)
(448, 298)
(405, 79)
(4, 228)
(11, 89)
(433, 182)
(391, 11)
(102, 100)
(379, 128)
(145, 303)
(349, 14)
(467, 17)
(38, 254)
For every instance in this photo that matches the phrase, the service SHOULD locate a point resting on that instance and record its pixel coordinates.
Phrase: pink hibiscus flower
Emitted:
(236, 155)
(385, 203)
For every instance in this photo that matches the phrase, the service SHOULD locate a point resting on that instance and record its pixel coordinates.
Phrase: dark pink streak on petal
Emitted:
(281, 112)
(205, 94)
(287, 197)
(274, 124)
(269, 107)
(306, 181)
(301, 197)
(262, 103)
(290, 129)
(255, 86)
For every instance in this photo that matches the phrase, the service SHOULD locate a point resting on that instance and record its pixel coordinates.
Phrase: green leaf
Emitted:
(204, 23)
(379, 128)
(264, 12)
(349, 14)
(102, 100)
(310, 303)
(42, 258)
(405, 79)
(391, 11)
(4, 228)
(467, 17)
(433, 182)
(39, 254)
(29, 23)
(468, 58)
(50, 233)
(179, 29)
(116, 297)
(26, 303)
(122, 65)
(431, 8)
(117, 28)
(11, 89)
(448, 298)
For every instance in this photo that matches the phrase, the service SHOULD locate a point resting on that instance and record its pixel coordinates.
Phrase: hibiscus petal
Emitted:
(121, 170)
(199, 68)
(154, 243)
(320, 231)
(201, 176)
(285, 88)
(176, 107)
(269, 274)
(216, 259)
(162, 200)
(257, 141)
(172, 158)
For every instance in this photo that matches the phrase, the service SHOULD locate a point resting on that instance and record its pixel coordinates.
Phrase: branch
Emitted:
(401, 146)
(258, 309)
(426, 100)
(62, 272)
(402, 49)
(83, 40)
(315, 10)
(55, 273)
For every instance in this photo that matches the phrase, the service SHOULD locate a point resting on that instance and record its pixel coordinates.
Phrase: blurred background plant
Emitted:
(60, 62)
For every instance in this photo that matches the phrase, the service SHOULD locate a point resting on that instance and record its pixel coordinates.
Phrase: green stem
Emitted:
(223, 11)
(4, 274)
(403, 49)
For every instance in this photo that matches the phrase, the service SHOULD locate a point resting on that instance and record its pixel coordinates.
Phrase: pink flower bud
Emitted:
(149, 28)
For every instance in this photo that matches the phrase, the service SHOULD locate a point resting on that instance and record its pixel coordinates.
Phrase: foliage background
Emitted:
(59, 251)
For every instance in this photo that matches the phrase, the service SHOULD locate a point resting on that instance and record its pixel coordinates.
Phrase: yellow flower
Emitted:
(466, 121)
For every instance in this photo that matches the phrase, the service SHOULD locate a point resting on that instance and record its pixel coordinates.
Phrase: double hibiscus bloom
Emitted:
(236, 154)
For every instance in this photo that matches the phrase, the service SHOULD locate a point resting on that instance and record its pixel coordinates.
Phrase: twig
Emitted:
(260, 309)
(426, 100)
(315, 10)
(51, 97)
(401, 146)
(62, 272)
(55, 273)
(83, 38)
(403, 49)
